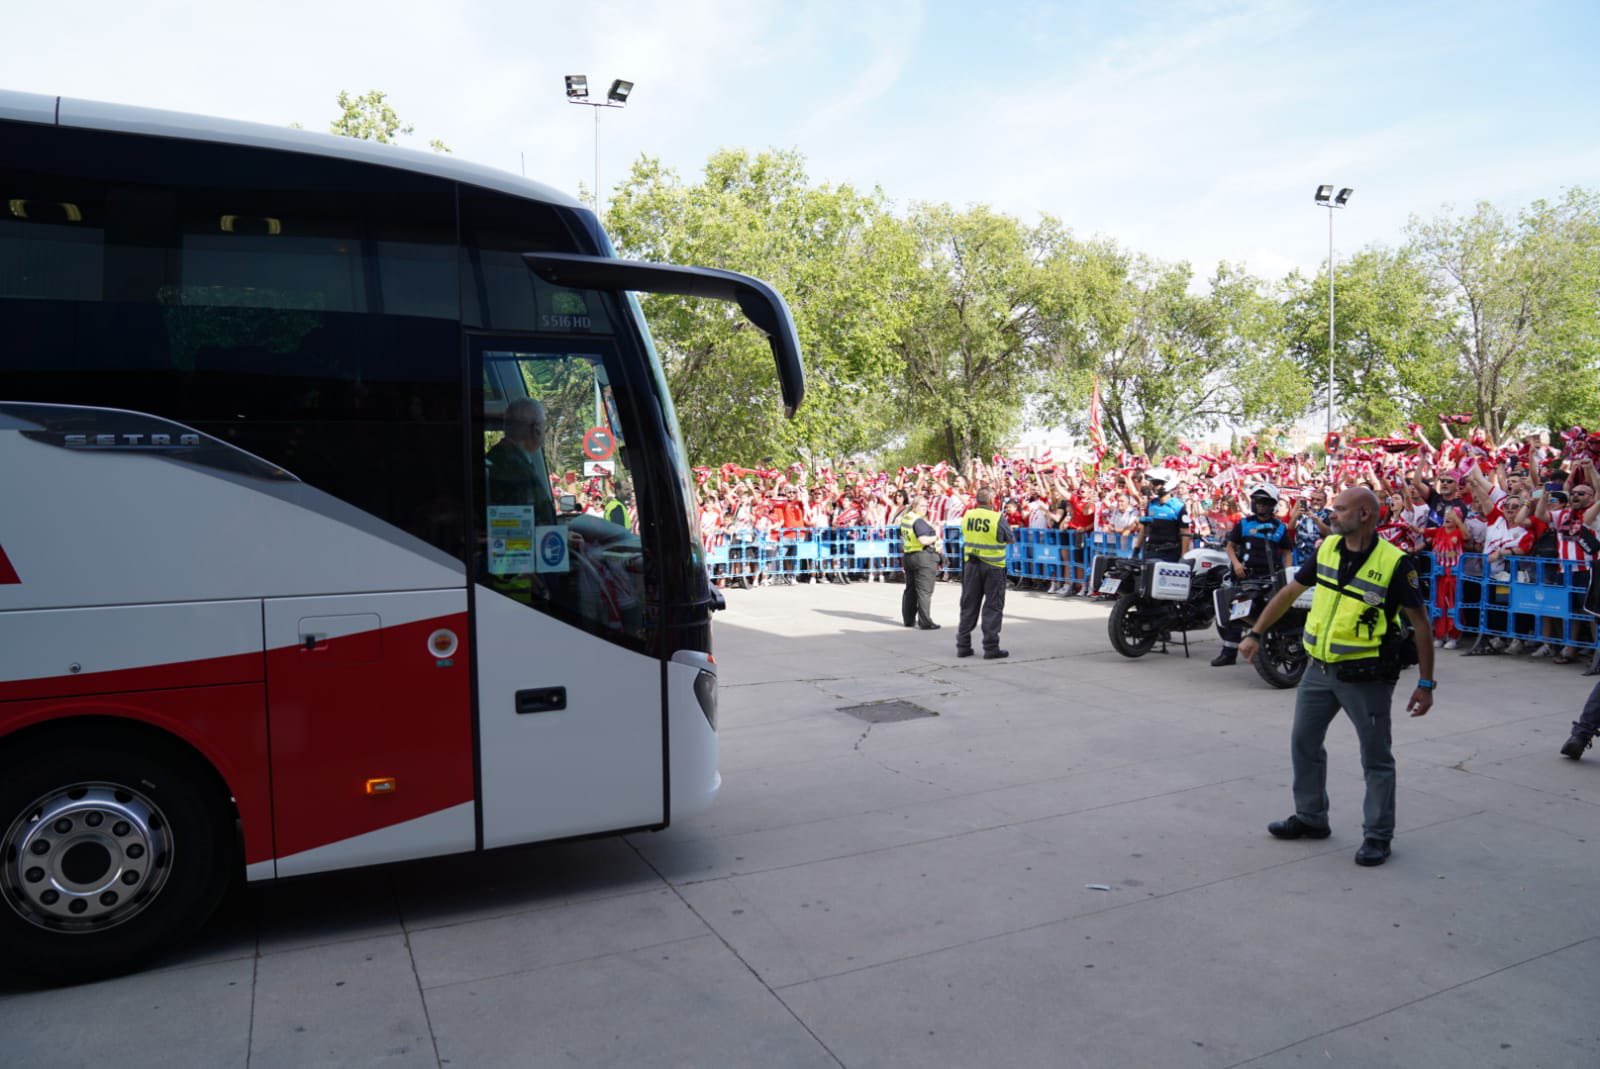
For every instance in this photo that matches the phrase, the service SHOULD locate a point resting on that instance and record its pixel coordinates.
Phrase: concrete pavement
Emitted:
(1067, 866)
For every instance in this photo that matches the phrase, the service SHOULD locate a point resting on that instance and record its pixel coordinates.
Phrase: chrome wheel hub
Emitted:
(86, 857)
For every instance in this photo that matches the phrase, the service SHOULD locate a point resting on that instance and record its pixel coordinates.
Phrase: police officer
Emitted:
(984, 536)
(920, 551)
(1353, 634)
(1259, 545)
(1164, 527)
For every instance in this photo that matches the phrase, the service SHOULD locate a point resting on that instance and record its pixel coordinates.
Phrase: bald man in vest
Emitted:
(1352, 634)
(984, 536)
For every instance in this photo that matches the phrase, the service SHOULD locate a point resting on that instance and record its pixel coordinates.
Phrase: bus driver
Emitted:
(518, 474)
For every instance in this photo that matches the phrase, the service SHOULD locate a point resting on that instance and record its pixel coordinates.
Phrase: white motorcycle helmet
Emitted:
(1266, 490)
(1168, 478)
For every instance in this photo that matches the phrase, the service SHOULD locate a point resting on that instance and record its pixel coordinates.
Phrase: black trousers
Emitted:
(983, 588)
(916, 604)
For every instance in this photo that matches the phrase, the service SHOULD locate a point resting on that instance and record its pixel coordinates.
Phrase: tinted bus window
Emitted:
(498, 292)
(303, 309)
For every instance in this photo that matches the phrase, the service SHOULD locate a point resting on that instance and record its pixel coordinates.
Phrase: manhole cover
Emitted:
(887, 712)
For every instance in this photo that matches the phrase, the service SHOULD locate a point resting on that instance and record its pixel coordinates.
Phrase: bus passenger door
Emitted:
(369, 709)
(570, 726)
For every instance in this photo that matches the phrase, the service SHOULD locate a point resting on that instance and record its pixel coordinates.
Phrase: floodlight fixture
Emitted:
(1344, 195)
(616, 97)
(1323, 193)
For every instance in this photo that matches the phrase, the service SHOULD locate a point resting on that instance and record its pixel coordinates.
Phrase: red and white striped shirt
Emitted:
(1567, 523)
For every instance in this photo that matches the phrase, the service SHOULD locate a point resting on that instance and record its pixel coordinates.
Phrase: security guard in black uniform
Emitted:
(920, 552)
(1164, 527)
(1259, 545)
(984, 536)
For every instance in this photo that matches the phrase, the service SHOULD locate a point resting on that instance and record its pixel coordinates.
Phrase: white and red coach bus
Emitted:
(284, 585)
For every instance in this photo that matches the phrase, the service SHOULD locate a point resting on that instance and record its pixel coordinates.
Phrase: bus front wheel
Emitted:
(111, 856)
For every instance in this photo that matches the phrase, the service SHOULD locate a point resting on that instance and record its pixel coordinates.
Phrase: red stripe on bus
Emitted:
(8, 574)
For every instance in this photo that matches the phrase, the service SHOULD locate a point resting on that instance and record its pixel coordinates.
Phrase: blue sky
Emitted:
(1192, 131)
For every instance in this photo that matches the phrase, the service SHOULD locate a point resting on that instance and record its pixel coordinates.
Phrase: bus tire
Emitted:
(111, 856)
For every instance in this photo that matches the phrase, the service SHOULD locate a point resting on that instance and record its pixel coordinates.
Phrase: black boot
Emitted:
(1229, 655)
(1580, 741)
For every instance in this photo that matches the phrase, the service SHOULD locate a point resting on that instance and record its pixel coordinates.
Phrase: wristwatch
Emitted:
(1427, 684)
(1258, 636)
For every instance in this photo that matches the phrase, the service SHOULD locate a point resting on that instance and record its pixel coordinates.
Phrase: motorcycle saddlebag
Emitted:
(1165, 580)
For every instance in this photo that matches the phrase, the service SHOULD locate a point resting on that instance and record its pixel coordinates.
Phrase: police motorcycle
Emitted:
(1281, 659)
(1156, 598)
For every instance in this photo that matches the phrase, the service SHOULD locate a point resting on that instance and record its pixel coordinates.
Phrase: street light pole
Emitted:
(616, 97)
(1325, 197)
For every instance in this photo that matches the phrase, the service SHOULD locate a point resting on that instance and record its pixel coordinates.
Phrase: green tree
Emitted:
(370, 117)
(1391, 364)
(988, 305)
(1170, 360)
(835, 254)
(1517, 301)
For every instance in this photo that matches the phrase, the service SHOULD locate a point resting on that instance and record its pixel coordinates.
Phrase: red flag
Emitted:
(1097, 433)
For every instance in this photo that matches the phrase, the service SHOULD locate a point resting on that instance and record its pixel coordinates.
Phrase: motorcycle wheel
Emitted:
(1127, 630)
(1281, 660)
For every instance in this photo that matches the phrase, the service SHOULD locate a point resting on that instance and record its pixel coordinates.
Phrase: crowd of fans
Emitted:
(1521, 498)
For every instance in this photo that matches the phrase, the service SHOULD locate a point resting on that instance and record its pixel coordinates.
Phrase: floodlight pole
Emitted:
(1326, 198)
(609, 102)
(1330, 316)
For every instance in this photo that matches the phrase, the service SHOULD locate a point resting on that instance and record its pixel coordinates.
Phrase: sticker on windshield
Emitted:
(551, 549)
(510, 539)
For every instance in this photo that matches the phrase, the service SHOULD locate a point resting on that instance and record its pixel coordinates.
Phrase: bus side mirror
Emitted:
(760, 303)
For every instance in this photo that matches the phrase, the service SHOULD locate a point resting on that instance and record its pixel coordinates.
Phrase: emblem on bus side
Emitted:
(443, 644)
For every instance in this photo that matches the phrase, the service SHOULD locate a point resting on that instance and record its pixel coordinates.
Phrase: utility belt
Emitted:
(1396, 651)
(1365, 670)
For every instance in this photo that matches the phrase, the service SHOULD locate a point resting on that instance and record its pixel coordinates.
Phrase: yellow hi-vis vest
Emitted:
(616, 512)
(980, 537)
(910, 543)
(1348, 623)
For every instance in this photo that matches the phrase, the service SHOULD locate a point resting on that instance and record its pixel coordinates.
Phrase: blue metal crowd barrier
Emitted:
(866, 551)
(1040, 553)
(739, 555)
(803, 552)
(1098, 544)
(950, 564)
(1534, 599)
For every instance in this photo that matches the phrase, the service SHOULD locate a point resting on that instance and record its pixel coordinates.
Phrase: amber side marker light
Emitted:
(381, 785)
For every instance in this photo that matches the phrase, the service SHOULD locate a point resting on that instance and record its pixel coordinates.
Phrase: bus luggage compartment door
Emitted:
(369, 701)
